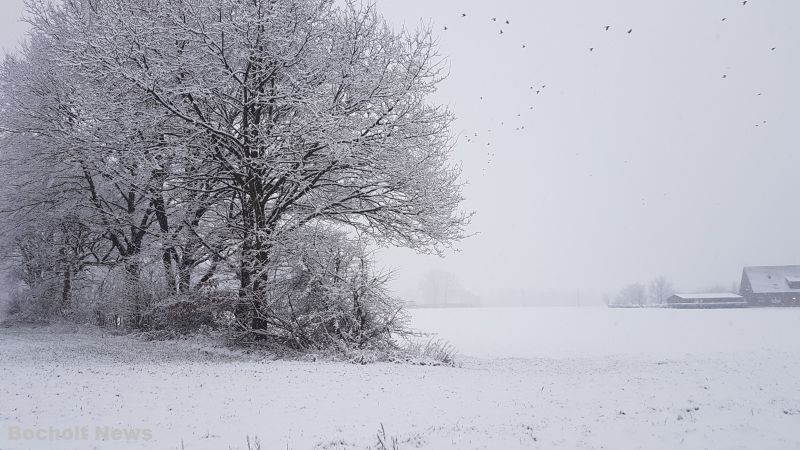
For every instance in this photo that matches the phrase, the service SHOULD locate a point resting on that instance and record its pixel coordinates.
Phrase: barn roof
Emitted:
(770, 279)
(710, 296)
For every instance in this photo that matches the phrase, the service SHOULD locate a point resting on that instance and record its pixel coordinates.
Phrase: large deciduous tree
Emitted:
(221, 130)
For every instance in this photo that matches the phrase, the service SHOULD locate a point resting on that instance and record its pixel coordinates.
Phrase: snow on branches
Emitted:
(219, 131)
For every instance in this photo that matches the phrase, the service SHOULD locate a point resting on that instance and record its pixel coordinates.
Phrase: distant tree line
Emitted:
(656, 292)
(636, 294)
(208, 162)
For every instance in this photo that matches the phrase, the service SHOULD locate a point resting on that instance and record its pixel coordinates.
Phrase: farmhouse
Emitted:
(713, 300)
(771, 285)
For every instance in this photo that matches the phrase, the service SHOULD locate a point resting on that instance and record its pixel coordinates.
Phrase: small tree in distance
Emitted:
(631, 295)
(659, 290)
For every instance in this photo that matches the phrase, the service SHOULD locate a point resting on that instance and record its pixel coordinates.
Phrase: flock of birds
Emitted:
(539, 88)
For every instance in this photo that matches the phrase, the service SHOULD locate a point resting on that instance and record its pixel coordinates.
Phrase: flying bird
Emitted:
(773, 49)
(524, 46)
(445, 28)
(630, 30)
(724, 76)
(501, 31)
(463, 14)
(591, 49)
(744, 2)
(508, 22)
(724, 18)
(607, 27)
(494, 19)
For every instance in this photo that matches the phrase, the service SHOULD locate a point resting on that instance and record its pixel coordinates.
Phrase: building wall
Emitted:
(773, 299)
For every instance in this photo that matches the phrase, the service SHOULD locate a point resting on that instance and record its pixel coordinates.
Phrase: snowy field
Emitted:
(530, 378)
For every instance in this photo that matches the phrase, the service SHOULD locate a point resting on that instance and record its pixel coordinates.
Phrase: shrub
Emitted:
(325, 293)
(433, 351)
(34, 305)
(184, 314)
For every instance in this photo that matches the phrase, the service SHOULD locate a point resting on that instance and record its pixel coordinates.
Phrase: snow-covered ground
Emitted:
(530, 378)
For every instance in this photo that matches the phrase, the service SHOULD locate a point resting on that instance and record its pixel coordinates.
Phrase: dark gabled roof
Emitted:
(772, 279)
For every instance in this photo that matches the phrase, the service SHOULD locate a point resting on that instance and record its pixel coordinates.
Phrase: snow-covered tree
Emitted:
(206, 136)
(306, 112)
(631, 295)
(659, 290)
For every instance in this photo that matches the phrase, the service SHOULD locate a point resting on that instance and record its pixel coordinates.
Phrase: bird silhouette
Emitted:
(773, 49)
(724, 18)
(501, 31)
(724, 76)
(494, 19)
(630, 30)
(463, 14)
(591, 49)
(508, 22)
(744, 2)
(607, 27)
(445, 28)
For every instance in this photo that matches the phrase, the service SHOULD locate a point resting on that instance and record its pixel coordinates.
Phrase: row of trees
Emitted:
(252, 151)
(636, 294)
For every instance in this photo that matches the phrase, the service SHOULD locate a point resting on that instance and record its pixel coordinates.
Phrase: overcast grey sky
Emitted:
(640, 158)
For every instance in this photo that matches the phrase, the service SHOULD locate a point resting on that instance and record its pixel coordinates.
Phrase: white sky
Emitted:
(638, 159)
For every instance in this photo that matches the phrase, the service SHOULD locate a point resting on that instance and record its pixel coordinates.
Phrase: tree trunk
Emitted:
(66, 293)
(169, 274)
(133, 284)
(185, 277)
